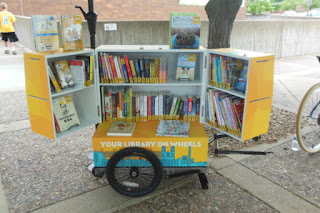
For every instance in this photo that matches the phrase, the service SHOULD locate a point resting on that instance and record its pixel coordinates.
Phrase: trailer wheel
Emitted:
(134, 171)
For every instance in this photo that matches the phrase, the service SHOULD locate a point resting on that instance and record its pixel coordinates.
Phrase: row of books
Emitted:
(70, 73)
(121, 69)
(65, 114)
(46, 35)
(228, 73)
(224, 111)
(144, 106)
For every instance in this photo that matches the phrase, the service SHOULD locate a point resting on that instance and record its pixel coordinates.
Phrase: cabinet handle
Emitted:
(262, 61)
(38, 98)
(35, 59)
(259, 99)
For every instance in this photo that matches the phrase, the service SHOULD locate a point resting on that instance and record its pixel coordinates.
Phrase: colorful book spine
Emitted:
(117, 66)
(126, 60)
(161, 106)
(156, 66)
(147, 69)
(125, 72)
(152, 71)
(136, 66)
(133, 70)
(142, 70)
(156, 107)
(149, 107)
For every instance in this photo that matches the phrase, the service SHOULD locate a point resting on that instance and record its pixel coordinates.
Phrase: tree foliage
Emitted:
(292, 4)
(258, 7)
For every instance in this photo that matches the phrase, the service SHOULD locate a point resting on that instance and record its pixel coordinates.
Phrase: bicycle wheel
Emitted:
(134, 172)
(308, 120)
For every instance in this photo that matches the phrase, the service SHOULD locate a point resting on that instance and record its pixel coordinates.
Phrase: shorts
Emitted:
(10, 36)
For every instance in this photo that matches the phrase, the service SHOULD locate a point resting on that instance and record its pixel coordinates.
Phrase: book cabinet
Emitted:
(40, 95)
(87, 100)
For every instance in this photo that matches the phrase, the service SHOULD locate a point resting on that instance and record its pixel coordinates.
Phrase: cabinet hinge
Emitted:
(202, 111)
(205, 62)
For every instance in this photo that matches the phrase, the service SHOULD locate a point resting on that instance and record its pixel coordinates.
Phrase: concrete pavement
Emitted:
(293, 76)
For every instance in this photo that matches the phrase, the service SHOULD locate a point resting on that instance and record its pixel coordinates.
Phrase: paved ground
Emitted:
(284, 181)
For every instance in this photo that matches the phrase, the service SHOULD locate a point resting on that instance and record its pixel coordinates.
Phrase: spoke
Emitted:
(145, 183)
(125, 178)
(147, 177)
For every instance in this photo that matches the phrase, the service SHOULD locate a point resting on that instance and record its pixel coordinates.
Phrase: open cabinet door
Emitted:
(40, 95)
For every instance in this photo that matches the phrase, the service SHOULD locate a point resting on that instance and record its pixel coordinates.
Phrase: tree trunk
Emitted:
(221, 14)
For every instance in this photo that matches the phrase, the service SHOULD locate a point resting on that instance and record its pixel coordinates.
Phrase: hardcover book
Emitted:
(78, 70)
(45, 32)
(72, 36)
(63, 74)
(186, 66)
(173, 128)
(121, 128)
(184, 31)
(65, 113)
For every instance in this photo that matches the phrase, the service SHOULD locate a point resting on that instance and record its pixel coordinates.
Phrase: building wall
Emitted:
(118, 10)
(283, 38)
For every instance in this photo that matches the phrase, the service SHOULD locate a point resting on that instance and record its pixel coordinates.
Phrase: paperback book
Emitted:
(121, 128)
(65, 113)
(173, 128)
(72, 36)
(184, 31)
(63, 74)
(45, 32)
(186, 66)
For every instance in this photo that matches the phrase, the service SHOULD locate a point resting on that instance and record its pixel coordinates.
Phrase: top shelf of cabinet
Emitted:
(236, 53)
(144, 48)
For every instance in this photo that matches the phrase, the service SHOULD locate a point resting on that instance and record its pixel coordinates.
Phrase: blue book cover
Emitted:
(136, 66)
(219, 70)
(141, 63)
(125, 73)
(185, 107)
(194, 106)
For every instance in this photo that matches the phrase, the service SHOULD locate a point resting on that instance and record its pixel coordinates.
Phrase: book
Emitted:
(163, 70)
(65, 113)
(173, 128)
(184, 30)
(126, 60)
(53, 80)
(78, 70)
(186, 66)
(133, 70)
(45, 32)
(121, 128)
(71, 32)
(125, 71)
(242, 80)
(64, 74)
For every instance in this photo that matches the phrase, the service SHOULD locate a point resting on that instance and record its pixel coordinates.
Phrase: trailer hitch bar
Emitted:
(218, 152)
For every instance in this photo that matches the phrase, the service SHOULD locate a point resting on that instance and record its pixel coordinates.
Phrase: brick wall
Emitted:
(110, 9)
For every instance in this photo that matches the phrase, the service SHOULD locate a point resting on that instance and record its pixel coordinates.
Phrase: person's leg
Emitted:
(5, 40)
(13, 38)
(13, 47)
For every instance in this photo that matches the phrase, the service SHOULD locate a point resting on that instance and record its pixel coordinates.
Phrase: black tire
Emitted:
(143, 178)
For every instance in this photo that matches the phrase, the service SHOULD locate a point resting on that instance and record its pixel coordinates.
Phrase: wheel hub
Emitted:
(134, 173)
